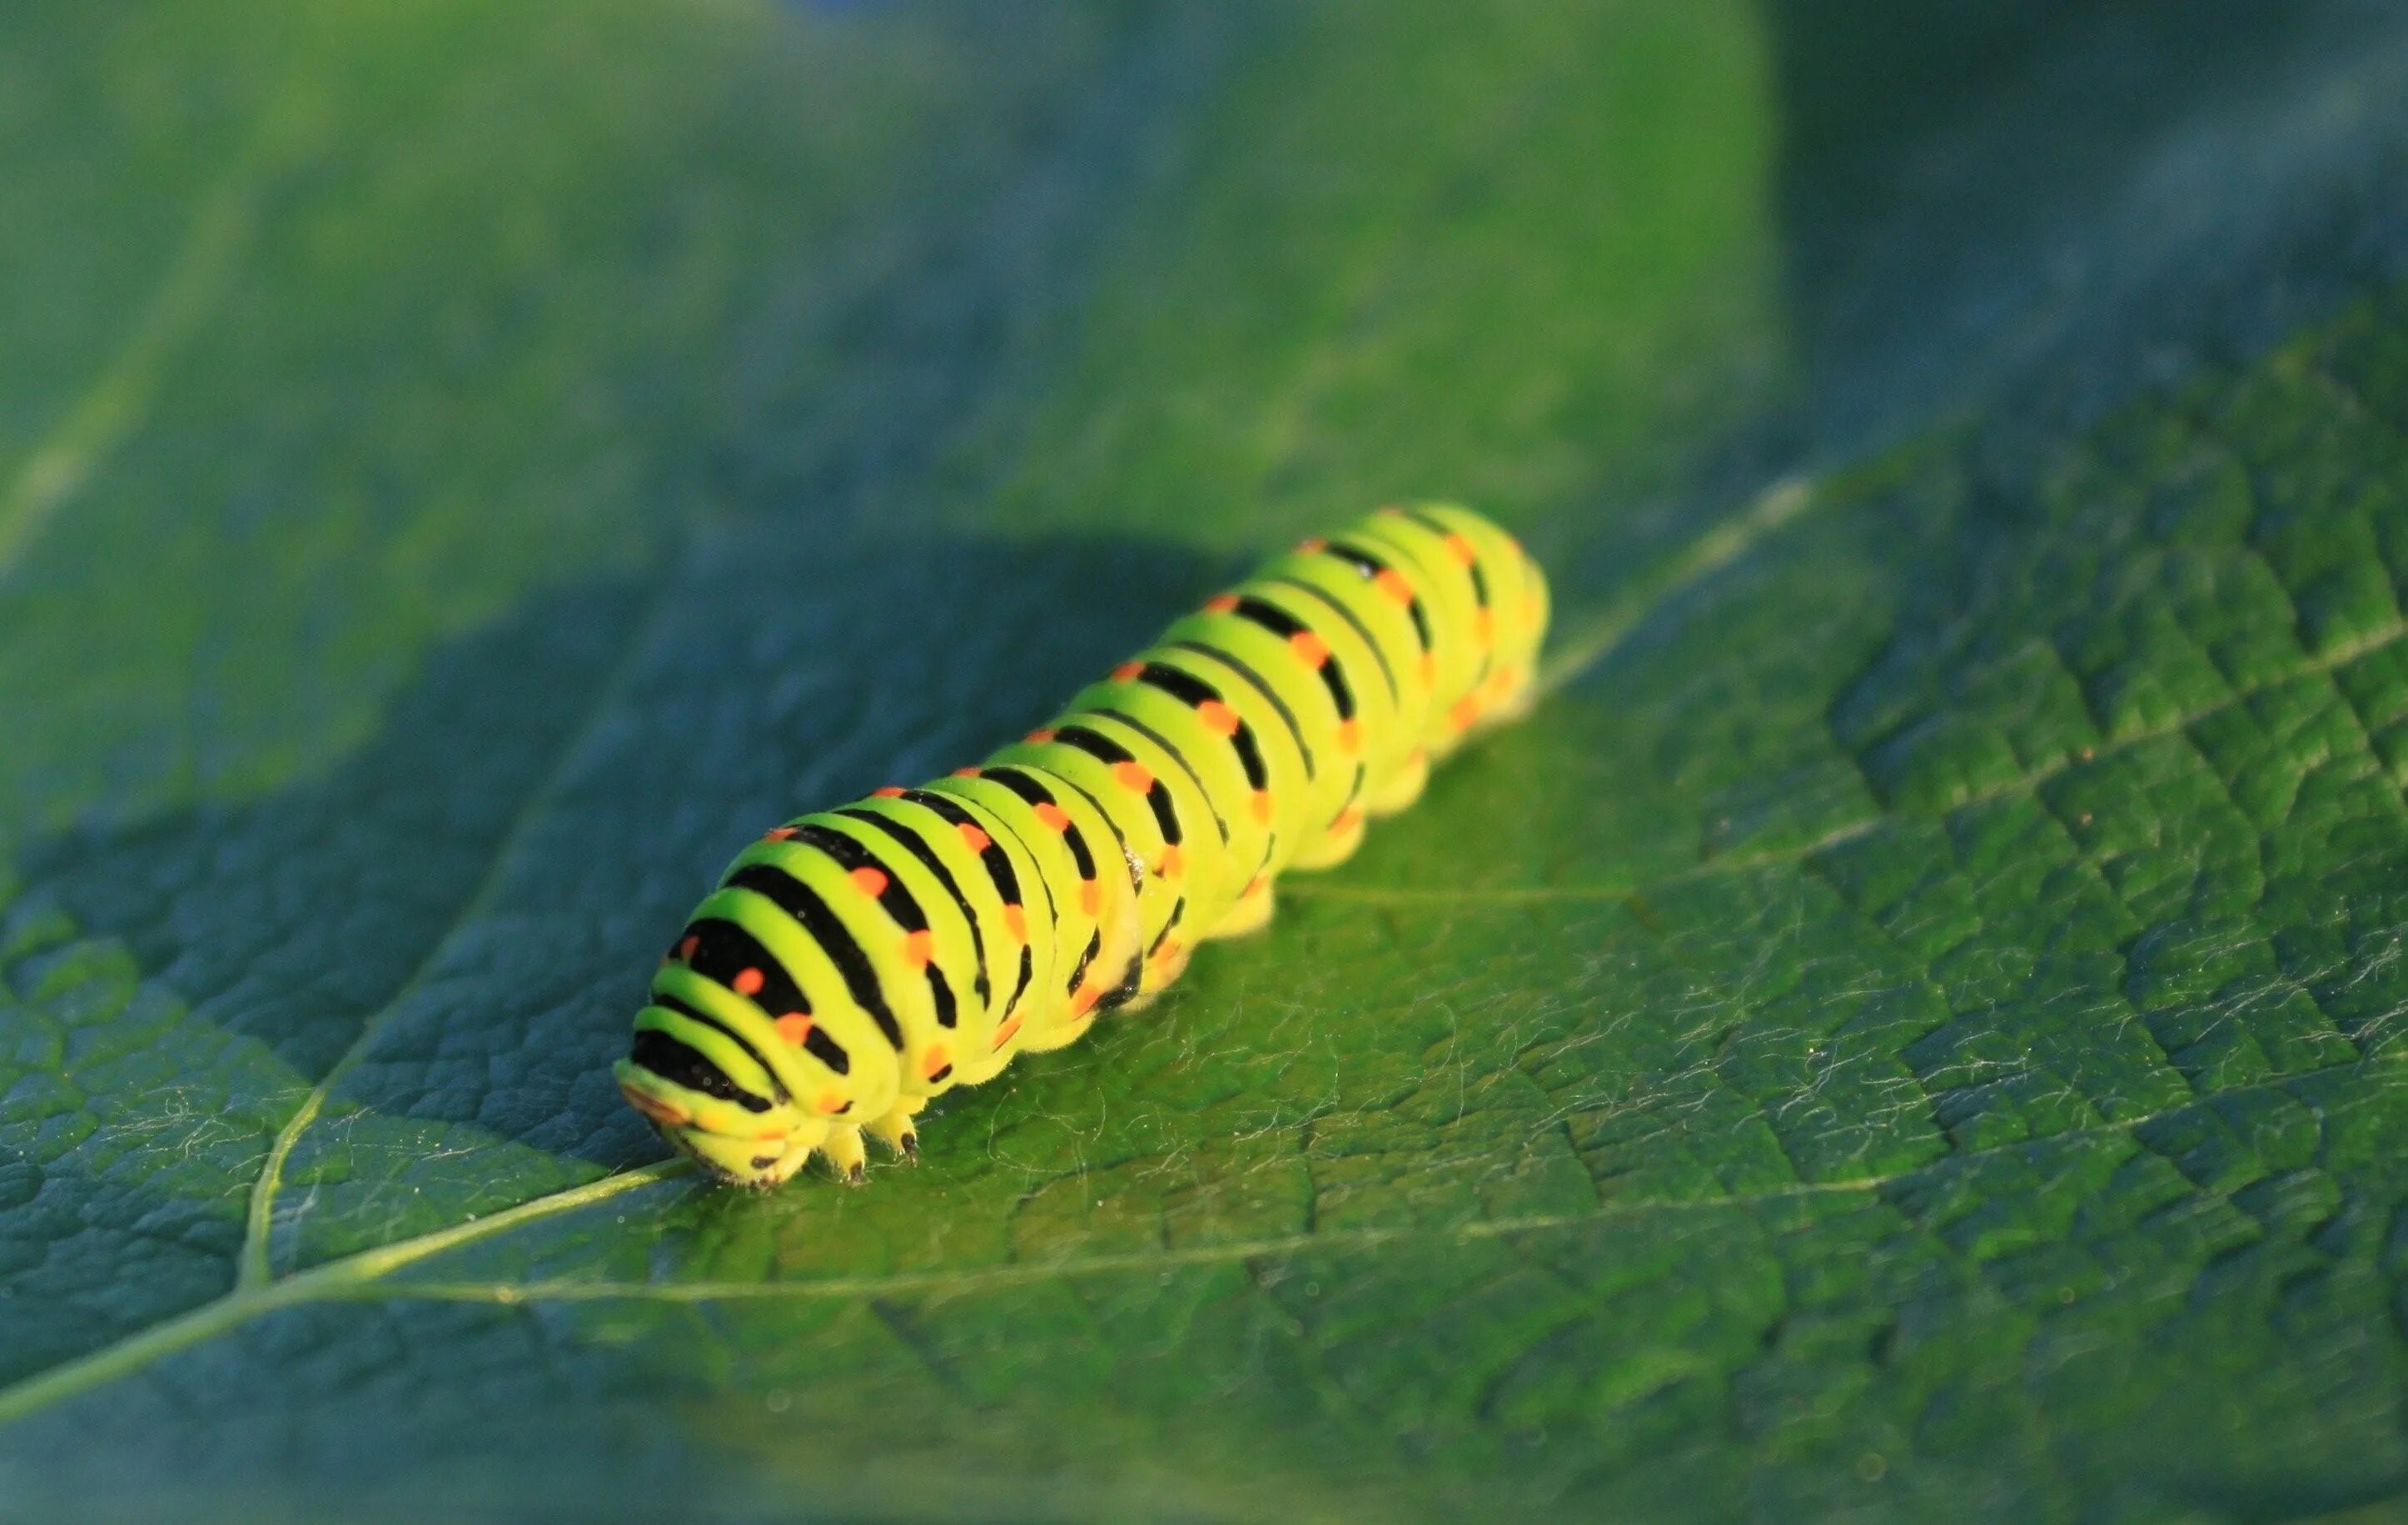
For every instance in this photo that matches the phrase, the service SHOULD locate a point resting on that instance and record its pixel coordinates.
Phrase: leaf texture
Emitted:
(1911, 1027)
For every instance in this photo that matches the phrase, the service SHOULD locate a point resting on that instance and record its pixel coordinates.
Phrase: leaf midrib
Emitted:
(257, 1292)
(253, 1269)
(362, 1277)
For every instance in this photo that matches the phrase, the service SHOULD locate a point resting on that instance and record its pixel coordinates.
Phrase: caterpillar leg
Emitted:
(1159, 969)
(1401, 790)
(1089, 999)
(1077, 1014)
(844, 1152)
(1109, 968)
(1335, 844)
(1156, 970)
(1251, 913)
(761, 1162)
(1512, 694)
(1061, 1034)
(897, 1130)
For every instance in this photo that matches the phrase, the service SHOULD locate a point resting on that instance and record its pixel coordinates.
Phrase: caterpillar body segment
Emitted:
(1091, 901)
(855, 964)
(1156, 874)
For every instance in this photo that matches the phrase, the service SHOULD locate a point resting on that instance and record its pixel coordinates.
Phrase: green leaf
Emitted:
(1909, 1028)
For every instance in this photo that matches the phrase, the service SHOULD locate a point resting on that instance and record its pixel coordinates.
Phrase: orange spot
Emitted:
(966, 773)
(769, 1136)
(1429, 669)
(1466, 711)
(1350, 735)
(1465, 551)
(1263, 806)
(657, 1110)
(977, 840)
(832, 1100)
(1053, 816)
(1483, 624)
(1040, 736)
(1254, 886)
(685, 949)
(919, 948)
(778, 833)
(1090, 896)
(794, 1027)
(1218, 717)
(1346, 821)
(1221, 603)
(748, 982)
(1084, 1002)
(890, 792)
(1168, 951)
(1126, 672)
(935, 1063)
(1174, 859)
(1133, 776)
(1015, 921)
(1003, 1034)
(1313, 546)
(1393, 583)
(870, 882)
(1309, 649)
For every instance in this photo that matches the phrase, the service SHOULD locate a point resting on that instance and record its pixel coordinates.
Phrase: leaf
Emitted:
(1909, 1028)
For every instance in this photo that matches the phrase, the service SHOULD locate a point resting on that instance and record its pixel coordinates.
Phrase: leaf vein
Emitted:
(252, 1261)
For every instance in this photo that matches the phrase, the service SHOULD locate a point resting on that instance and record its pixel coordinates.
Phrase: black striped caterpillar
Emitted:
(855, 963)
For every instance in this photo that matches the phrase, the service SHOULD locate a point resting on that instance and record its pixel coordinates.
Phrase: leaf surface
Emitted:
(1909, 1027)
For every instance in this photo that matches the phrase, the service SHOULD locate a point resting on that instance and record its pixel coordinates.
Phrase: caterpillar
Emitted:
(855, 964)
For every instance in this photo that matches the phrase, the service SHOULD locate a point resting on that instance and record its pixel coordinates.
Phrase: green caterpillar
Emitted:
(855, 963)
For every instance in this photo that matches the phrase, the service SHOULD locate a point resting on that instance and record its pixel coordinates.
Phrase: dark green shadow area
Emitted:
(174, 990)
(479, 885)
(424, 312)
(2020, 215)
(1978, 197)
(286, 921)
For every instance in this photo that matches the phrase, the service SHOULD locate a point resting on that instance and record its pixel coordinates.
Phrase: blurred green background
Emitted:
(1905, 1031)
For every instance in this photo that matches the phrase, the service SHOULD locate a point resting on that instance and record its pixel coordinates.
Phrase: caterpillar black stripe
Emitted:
(854, 963)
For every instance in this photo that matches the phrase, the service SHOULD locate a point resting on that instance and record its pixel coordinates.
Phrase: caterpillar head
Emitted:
(722, 1110)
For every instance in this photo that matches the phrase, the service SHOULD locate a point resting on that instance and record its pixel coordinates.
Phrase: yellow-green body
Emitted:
(856, 963)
